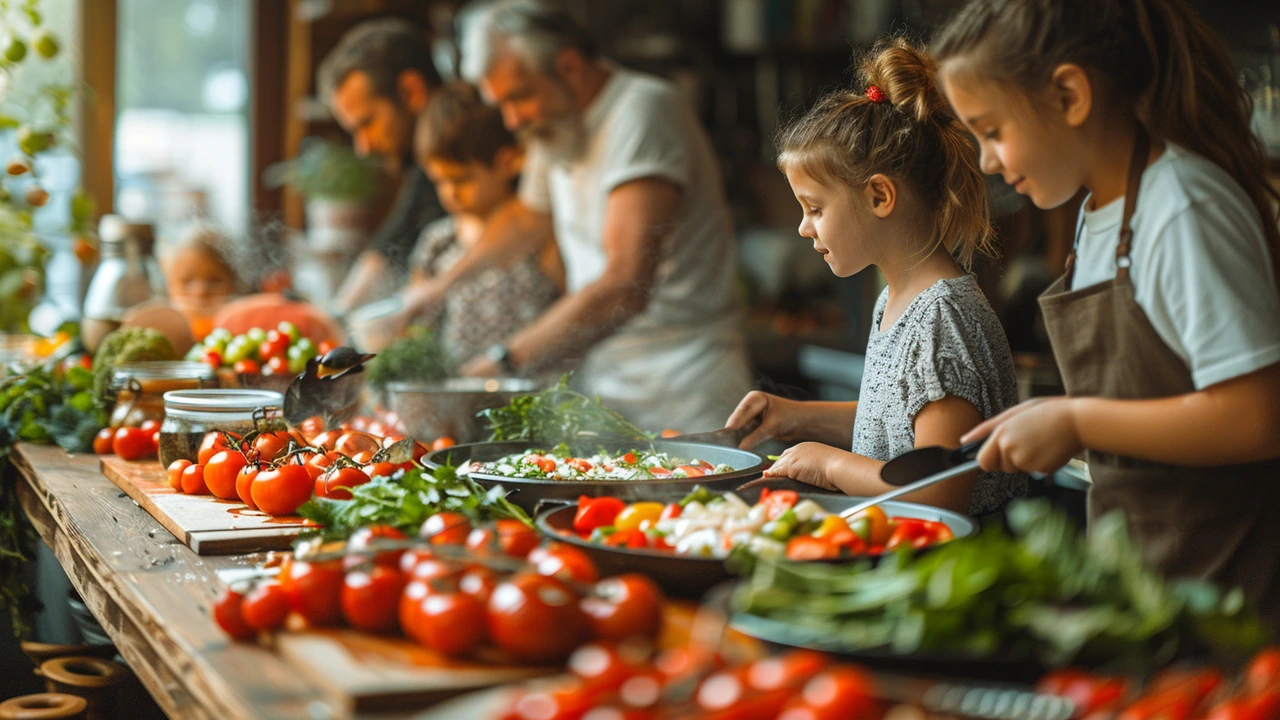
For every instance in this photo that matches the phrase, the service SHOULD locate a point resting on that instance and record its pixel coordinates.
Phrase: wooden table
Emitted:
(152, 595)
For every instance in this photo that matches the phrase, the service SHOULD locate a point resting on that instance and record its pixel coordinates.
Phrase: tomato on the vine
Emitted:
(370, 598)
(265, 606)
(624, 606)
(281, 490)
(102, 441)
(314, 590)
(509, 536)
(212, 444)
(522, 610)
(173, 473)
(565, 562)
(367, 537)
(193, 480)
(837, 694)
(244, 484)
(228, 613)
(446, 528)
(450, 623)
(131, 443)
(337, 482)
(221, 471)
(270, 445)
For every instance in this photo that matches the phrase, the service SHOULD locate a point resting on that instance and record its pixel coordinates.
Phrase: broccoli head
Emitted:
(131, 344)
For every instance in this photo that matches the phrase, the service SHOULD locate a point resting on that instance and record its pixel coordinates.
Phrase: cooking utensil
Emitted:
(330, 387)
(449, 408)
(526, 492)
(690, 576)
(919, 469)
(728, 437)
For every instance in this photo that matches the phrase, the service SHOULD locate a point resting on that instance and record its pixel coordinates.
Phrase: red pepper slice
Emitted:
(596, 513)
(808, 547)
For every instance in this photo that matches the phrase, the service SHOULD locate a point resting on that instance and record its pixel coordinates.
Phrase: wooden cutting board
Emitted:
(207, 525)
(369, 673)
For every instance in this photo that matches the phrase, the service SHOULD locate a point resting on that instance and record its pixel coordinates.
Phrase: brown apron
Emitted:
(1218, 523)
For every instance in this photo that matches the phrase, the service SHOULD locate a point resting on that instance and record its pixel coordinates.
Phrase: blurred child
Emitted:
(200, 277)
(886, 176)
(474, 162)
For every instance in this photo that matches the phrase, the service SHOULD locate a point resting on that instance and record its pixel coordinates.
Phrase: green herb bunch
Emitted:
(560, 415)
(1041, 590)
(419, 356)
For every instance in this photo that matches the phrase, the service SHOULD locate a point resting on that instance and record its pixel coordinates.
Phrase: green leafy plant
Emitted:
(326, 170)
(419, 356)
(560, 415)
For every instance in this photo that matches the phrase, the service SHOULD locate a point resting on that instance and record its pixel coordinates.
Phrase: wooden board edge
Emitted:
(242, 542)
(139, 496)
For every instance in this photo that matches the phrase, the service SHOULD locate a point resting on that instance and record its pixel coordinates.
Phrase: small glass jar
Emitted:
(140, 387)
(190, 414)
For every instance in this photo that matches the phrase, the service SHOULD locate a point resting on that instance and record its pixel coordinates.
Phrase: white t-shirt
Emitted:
(1201, 268)
(681, 362)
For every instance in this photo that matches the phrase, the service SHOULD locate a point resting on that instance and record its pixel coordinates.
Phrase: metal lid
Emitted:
(226, 400)
(163, 370)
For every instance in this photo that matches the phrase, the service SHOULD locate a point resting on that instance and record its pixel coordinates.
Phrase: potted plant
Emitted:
(336, 183)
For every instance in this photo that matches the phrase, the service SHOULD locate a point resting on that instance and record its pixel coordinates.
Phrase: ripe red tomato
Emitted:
(1264, 670)
(524, 607)
(265, 606)
(327, 439)
(131, 443)
(150, 426)
(323, 347)
(213, 443)
(565, 562)
(276, 366)
(102, 441)
(450, 623)
(221, 471)
(337, 482)
(383, 469)
(354, 441)
(173, 473)
(227, 612)
(370, 598)
(838, 693)
(314, 590)
(602, 666)
(446, 528)
(274, 347)
(478, 582)
(280, 491)
(442, 443)
(213, 359)
(624, 606)
(791, 670)
(193, 480)
(270, 445)
(508, 536)
(247, 366)
(367, 537)
(244, 484)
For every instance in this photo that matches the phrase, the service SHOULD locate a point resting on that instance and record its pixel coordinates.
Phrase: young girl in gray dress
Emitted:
(887, 177)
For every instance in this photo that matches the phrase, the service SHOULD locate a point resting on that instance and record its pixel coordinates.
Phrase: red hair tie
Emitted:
(875, 94)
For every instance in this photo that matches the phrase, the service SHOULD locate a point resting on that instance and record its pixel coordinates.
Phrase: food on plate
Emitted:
(560, 464)
(779, 524)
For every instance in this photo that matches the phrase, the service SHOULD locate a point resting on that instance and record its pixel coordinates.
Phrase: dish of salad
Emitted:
(780, 524)
(560, 464)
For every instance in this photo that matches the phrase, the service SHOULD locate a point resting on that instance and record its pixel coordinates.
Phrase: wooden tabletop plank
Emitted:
(152, 596)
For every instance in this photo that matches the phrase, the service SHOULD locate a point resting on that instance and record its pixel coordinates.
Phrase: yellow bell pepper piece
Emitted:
(637, 513)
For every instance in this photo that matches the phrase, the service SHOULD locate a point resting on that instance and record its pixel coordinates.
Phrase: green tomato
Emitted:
(305, 344)
(257, 335)
(218, 345)
(82, 401)
(195, 353)
(45, 44)
(79, 378)
(15, 51)
(240, 348)
(287, 328)
(222, 334)
(298, 358)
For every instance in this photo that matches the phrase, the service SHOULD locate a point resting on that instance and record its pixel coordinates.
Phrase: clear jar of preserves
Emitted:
(139, 388)
(190, 414)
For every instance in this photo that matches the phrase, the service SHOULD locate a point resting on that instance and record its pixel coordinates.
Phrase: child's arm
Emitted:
(938, 423)
(830, 423)
(1236, 421)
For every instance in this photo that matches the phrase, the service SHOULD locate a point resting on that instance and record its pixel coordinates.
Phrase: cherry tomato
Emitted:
(273, 348)
(102, 441)
(337, 482)
(327, 439)
(450, 623)
(247, 366)
(280, 491)
(777, 502)
(227, 612)
(1264, 670)
(596, 512)
(791, 670)
(382, 469)
(368, 537)
(323, 347)
(149, 426)
(270, 445)
(265, 606)
(908, 533)
(193, 480)
(624, 606)
(354, 441)
(508, 536)
(565, 562)
(442, 443)
(370, 598)
(212, 444)
(602, 666)
(446, 528)
(314, 589)
(478, 582)
(244, 484)
(173, 473)
(839, 693)
(221, 471)
(213, 359)
(276, 366)
(131, 443)
(523, 608)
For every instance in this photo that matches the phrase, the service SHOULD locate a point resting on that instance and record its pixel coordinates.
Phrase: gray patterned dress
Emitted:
(947, 342)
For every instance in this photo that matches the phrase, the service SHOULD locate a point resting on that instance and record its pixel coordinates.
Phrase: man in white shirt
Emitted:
(623, 177)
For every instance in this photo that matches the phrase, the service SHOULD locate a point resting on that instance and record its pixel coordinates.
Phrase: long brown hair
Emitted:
(1157, 55)
(912, 136)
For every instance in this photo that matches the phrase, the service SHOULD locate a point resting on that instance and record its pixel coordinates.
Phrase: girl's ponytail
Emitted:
(1155, 54)
(905, 129)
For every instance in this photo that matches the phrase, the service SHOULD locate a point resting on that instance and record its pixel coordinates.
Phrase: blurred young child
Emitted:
(199, 275)
(474, 163)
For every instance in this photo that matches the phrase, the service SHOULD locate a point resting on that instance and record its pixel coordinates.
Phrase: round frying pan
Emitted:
(528, 492)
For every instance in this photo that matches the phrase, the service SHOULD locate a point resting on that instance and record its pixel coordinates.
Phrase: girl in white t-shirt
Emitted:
(1166, 325)
(887, 177)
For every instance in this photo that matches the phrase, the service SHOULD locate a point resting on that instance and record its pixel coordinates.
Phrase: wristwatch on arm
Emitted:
(500, 354)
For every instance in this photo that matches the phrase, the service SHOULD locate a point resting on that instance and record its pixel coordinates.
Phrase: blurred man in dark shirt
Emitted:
(376, 81)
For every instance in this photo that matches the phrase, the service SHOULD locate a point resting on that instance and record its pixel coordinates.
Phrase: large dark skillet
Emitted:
(691, 577)
(528, 492)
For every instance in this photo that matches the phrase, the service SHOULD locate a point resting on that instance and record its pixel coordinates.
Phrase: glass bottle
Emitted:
(127, 275)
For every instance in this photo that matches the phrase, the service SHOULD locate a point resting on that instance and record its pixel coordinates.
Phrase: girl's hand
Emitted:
(808, 462)
(773, 413)
(1039, 435)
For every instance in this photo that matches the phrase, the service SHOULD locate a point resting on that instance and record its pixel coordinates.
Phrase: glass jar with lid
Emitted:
(139, 388)
(190, 414)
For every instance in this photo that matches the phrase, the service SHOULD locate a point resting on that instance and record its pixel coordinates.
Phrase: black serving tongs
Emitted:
(922, 468)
